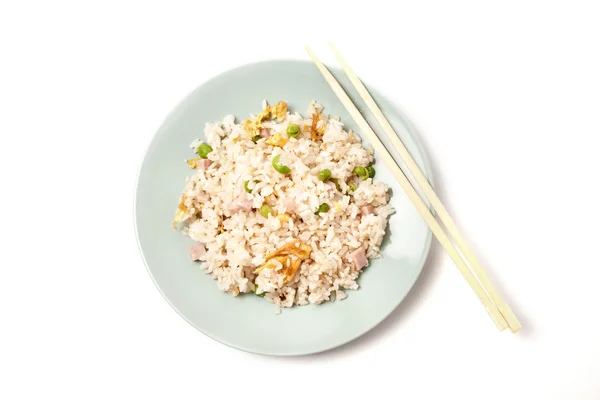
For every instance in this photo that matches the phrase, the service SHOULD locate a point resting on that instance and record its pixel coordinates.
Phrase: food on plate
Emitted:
(283, 206)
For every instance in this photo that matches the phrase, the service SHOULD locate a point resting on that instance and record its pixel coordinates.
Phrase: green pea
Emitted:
(336, 183)
(370, 171)
(284, 169)
(265, 210)
(203, 150)
(256, 138)
(352, 186)
(258, 294)
(360, 171)
(246, 186)
(293, 130)
(324, 175)
(323, 208)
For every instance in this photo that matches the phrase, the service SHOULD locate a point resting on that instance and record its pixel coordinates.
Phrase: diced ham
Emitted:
(289, 203)
(264, 133)
(197, 251)
(358, 258)
(204, 164)
(203, 197)
(245, 204)
(367, 210)
(241, 204)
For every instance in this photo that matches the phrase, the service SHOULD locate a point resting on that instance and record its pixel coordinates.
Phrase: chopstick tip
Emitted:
(312, 55)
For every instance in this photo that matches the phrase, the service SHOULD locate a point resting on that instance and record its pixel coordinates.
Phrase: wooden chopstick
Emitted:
(412, 194)
(430, 194)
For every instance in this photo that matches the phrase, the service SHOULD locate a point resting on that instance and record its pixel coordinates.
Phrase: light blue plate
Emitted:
(248, 322)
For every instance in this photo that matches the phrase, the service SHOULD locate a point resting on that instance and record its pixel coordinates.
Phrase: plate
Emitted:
(248, 322)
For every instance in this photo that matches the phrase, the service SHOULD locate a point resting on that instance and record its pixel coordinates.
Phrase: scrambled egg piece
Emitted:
(285, 217)
(290, 256)
(337, 205)
(182, 211)
(253, 126)
(278, 110)
(277, 140)
(317, 133)
(193, 163)
(264, 114)
(294, 247)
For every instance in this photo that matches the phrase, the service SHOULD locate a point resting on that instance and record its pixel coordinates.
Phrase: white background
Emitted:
(506, 98)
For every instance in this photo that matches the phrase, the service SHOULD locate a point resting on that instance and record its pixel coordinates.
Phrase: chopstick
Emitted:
(412, 194)
(430, 194)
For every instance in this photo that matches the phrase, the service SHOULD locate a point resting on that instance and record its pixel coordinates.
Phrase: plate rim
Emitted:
(427, 170)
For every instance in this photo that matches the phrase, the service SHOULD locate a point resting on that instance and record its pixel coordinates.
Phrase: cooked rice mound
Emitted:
(294, 255)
